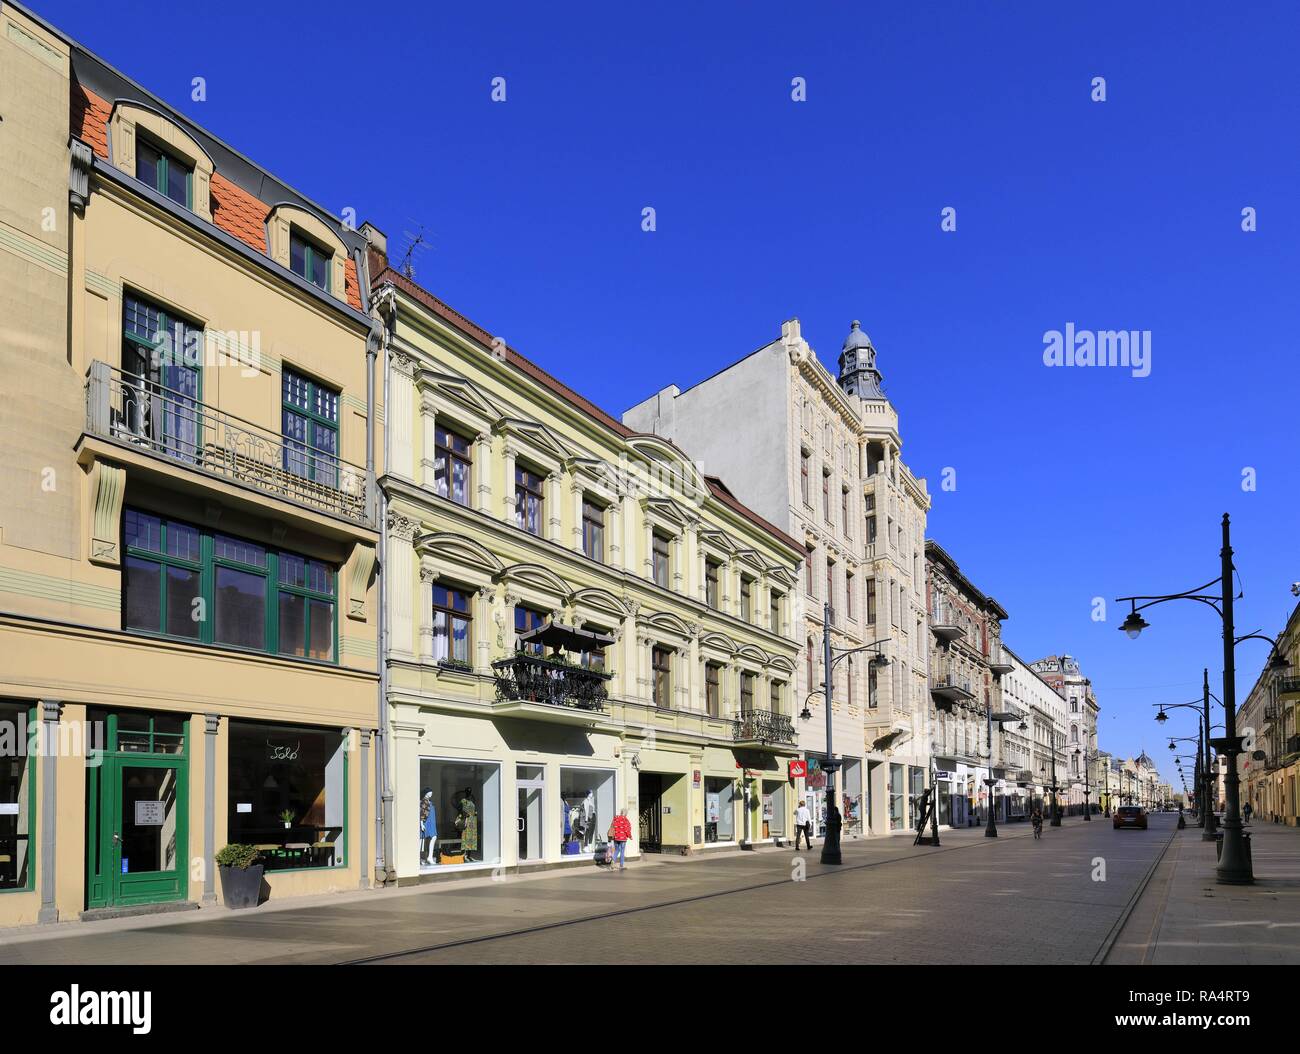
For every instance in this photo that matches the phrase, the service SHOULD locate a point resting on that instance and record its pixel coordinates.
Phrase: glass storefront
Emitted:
(774, 809)
(719, 810)
(288, 793)
(915, 794)
(586, 809)
(852, 797)
(459, 813)
(897, 798)
(17, 775)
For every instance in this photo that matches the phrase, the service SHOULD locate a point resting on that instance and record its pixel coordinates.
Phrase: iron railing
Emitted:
(180, 428)
(763, 726)
(534, 679)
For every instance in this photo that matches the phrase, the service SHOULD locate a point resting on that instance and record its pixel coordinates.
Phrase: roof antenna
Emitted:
(415, 243)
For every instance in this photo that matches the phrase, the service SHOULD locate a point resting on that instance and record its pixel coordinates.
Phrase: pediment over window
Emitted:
(458, 551)
(667, 514)
(461, 397)
(538, 578)
(599, 600)
(719, 541)
(669, 470)
(537, 440)
(664, 622)
(718, 642)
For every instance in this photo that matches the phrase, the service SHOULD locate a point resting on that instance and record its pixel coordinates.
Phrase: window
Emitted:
(746, 598)
(830, 586)
(586, 809)
(17, 797)
(711, 595)
(713, 688)
(181, 581)
(459, 813)
(288, 790)
(777, 703)
(803, 478)
(661, 663)
(810, 578)
(870, 501)
(452, 466)
(872, 699)
(310, 416)
(848, 594)
(660, 545)
(595, 658)
(452, 622)
(528, 619)
(848, 680)
(812, 668)
(774, 612)
(164, 172)
(844, 510)
(746, 692)
(529, 502)
(162, 357)
(826, 495)
(593, 530)
(308, 260)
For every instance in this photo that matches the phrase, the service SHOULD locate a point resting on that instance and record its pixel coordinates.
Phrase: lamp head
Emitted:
(1162, 717)
(1277, 664)
(1134, 624)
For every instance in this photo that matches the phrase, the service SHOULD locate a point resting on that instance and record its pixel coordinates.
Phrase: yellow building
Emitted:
(580, 622)
(1270, 718)
(188, 524)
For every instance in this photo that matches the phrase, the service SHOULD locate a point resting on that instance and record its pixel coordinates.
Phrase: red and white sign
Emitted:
(798, 769)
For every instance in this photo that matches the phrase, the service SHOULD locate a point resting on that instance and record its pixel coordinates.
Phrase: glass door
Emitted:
(531, 783)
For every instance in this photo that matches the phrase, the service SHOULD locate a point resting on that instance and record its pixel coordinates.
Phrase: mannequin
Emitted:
(428, 828)
(589, 819)
(467, 823)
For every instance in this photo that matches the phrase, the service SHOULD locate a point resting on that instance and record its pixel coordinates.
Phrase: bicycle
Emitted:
(1038, 827)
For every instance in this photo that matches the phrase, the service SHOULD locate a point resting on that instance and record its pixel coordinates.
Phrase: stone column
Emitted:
(483, 471)
(399, 414)
(363, 864)
(694, 672)
(211, 724)
(554, 510)
(401, 581)
(678, 560)
(427, 577)
(49, 765)
(508, 497)
(483, 622)
(614, 527)
(429, 441)
(575, 499)
(647, 539)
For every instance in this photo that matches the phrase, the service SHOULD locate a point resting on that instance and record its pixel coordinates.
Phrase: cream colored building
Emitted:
(820, 456)
(187, 523)
(581, 622)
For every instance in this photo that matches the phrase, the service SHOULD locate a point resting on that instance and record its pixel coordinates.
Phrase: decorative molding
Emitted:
(108, 485)
(82, 159)
(403, 527)
(363, 563)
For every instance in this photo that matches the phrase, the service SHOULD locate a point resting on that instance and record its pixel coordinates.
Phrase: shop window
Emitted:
(452, 466)
(460, 813)
(17, 797)
(181, 581)
(529, 501)
(452, 623)
(586, 809)
(719, 810)
(593, 530)
(308, 260)
(288, 793)
(774, 809)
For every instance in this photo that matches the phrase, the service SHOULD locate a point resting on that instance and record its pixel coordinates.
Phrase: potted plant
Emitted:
(287, 816)
(240, 867)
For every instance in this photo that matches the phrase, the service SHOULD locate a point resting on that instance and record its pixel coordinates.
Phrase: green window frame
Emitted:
(293, 601)
(25, 773)
(309, 261)
(166, 173)
(310, 425)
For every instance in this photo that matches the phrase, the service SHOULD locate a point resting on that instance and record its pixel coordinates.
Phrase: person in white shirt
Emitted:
(802, 825)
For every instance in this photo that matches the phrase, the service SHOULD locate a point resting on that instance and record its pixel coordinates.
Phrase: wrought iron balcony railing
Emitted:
(764, 726)
(180, 428)
(534, 679)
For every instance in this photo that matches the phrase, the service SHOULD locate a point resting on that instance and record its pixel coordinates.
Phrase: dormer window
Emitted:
(308, 260)
(165, 172)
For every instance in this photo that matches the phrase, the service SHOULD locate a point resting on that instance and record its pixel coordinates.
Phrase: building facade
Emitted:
(187, 538)
(1083, 771)
(1270, 716)
(819, 455)
(967, 667)
(580, 621)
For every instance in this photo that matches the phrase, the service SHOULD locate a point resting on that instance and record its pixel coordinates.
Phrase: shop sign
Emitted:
(942, 774)
(150, 813)
(798, 769)
(697, 777)
(283, 752)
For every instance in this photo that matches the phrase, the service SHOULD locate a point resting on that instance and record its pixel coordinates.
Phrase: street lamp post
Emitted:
(1085, 760)
(1234, 861)
(831, 656)
(990, 828)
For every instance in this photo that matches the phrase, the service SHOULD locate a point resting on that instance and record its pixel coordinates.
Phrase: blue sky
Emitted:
(1072, 483)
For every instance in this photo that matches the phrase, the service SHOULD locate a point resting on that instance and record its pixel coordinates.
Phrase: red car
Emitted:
(1130, 816)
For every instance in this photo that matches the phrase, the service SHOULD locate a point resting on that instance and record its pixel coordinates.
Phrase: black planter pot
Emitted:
(241, 886)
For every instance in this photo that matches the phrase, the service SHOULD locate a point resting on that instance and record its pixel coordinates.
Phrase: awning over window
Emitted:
(566, 638)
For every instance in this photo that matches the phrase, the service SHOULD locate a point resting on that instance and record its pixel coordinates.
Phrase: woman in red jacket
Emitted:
(620, 832)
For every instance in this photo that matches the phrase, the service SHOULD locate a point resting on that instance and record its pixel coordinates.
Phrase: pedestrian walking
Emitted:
(1246, 811)
(802, 825)
(620, 833)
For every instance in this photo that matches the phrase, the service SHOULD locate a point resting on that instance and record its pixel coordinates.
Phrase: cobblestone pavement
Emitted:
(1185, 916)
(971, 900)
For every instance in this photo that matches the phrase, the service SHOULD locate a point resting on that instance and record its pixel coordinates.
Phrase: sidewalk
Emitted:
(1185, 917)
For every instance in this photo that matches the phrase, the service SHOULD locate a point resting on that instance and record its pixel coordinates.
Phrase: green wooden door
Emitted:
(137, 831)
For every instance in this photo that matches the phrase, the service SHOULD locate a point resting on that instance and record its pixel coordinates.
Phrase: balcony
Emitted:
(551, 689)
(142, 414)
(948, 692)
(1288, 686)
(763, 727)
(998, 664)
(945, 629)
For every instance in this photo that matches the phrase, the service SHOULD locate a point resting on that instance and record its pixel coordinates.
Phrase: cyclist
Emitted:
(1037, 820)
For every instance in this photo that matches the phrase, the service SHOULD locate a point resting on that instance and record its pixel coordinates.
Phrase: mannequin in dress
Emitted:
(589, 819)
(467, 823)
(428, 828)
